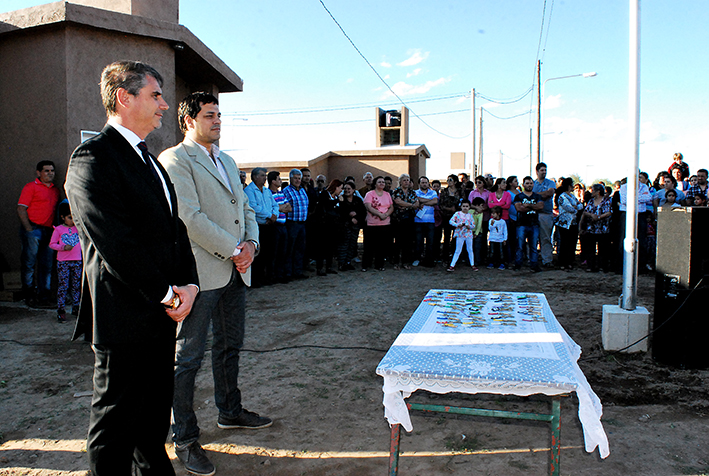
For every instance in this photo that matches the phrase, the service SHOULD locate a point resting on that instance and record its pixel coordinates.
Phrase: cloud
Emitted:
(350, 80)
(384, 64)
(403, 89)
(386, 77)
(415, 58)
(552, 102)
(415, 72)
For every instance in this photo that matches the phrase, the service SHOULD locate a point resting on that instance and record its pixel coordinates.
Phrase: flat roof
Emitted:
(195, 62)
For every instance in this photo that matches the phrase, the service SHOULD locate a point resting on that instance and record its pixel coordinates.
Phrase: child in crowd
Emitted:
(497, 238)
(477, 209)
(65, 241)
(464, 224)
(699, 201)
(671, 200)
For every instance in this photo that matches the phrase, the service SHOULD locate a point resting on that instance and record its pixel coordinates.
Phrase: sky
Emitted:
(293, 57)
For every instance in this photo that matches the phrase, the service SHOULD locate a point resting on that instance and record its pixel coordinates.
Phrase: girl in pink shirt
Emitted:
(498, 198)
(65, 241)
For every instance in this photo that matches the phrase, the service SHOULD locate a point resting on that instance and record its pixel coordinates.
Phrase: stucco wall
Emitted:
(88, 52)
(32, 104)
(53, 94)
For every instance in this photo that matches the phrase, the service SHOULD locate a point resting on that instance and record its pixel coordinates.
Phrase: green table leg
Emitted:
(394, 449)
(555, 436)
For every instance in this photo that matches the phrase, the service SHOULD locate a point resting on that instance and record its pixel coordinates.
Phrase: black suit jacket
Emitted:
(133, 247)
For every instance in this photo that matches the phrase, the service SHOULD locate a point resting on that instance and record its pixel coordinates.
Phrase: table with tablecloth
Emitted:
(472, 342)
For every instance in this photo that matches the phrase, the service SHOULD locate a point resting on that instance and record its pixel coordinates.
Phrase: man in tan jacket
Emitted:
(224, 236)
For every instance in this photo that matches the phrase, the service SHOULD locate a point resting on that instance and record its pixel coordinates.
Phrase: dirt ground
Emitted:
(326, 403)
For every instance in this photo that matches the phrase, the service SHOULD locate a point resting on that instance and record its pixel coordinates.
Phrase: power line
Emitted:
(536, 60)
(339, 108)
(382, 79)
(510, 117)
(341, 122)
(507, 101)
(546, 37)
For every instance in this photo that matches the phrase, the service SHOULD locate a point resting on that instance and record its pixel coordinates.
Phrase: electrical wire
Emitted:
(308, 110)
(340, 122)
(510, 117)
(506, 101)
(546, 37)
(255, 351)
(382, 79)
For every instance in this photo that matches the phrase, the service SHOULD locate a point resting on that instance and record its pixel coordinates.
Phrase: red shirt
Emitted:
(41, 202)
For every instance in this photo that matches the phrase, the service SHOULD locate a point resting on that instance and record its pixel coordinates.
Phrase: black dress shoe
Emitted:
(195, 460)
(246, 419)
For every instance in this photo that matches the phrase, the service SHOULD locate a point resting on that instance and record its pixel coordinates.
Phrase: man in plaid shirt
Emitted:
(297, 196)
(699, 189)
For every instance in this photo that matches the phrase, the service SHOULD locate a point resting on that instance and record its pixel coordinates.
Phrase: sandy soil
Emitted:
(326, 403)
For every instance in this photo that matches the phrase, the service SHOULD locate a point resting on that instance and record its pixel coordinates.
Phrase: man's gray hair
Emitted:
(295, 173)
(258, 170)
(128, 75)
(367, 173)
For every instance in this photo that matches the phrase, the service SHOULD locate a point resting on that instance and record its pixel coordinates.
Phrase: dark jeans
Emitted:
(448, 242)
(267, 239)
(36, 253)
(530, 235)
(295, 253)
(404, 237)
(480, 244)
(276, 268)
(498, 253)
(377, 241)
(566, 254)
(224, 308)
(130, 409)
(511, 240)
(425, 231)
(326, 243)
(601, 259)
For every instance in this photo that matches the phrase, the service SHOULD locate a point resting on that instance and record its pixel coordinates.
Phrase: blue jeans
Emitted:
(225, 308)
(531, 235)
(277, 266)
(425, 231)
(36, 251)
(295, 254)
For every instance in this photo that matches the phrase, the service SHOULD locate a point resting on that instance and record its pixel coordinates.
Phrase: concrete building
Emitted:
(392, 156)
(51, 57)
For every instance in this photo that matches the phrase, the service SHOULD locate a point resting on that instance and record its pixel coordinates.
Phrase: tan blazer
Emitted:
(216, 219)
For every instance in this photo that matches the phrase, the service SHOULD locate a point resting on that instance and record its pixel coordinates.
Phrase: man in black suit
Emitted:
(140, 276)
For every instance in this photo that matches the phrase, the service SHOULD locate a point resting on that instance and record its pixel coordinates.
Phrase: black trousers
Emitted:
(130, 409)
(267, 240)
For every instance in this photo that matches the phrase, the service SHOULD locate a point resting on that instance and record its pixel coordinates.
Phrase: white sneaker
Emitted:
(415, 263)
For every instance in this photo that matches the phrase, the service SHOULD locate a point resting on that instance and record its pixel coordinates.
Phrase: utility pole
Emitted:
(472, 156)
(539, 110)
(480, 151)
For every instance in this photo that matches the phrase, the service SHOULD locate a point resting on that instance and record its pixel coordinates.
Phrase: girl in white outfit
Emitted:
(463, 233)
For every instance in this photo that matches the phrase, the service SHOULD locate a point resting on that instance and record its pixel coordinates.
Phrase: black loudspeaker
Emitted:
(680, 334)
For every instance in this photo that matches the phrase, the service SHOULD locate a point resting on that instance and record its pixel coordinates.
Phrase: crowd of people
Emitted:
(308, 225)
(499, 223)
(173, 256)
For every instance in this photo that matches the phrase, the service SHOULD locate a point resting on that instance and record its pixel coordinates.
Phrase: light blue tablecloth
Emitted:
(487, 342)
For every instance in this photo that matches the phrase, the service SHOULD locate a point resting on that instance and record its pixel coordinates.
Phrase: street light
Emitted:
(540, 150)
